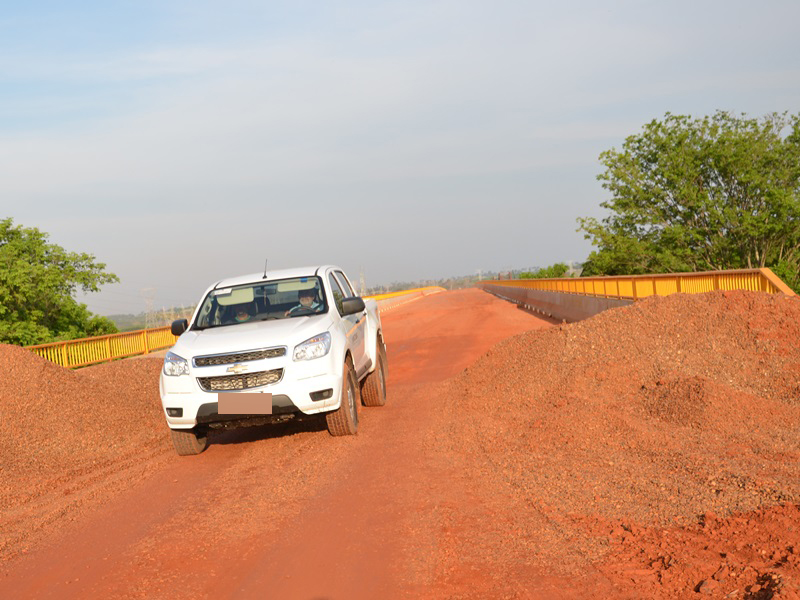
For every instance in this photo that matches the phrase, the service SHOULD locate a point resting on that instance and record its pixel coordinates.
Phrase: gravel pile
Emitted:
(54, 417)
(66, 433)
(646, 416)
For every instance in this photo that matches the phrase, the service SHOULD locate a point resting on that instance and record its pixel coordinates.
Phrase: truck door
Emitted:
(354, 325)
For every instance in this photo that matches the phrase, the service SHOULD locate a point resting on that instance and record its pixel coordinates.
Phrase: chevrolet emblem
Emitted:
(237, 368)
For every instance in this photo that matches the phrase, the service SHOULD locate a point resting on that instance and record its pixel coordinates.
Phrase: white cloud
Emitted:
(438, 122)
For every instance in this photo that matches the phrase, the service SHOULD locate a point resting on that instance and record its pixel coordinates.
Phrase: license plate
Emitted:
(244, 404)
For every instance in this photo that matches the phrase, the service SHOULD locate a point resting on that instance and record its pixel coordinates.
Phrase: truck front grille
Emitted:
(229, 359)
(244, 381)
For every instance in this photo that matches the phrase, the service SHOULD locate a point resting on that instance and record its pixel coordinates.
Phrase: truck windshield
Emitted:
(261, 301)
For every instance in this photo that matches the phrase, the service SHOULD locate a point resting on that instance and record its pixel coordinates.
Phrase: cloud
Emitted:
(437, 122)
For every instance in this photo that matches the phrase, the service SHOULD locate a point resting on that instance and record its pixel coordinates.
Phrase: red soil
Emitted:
(67, 432)
(605, 435)
(652, 451)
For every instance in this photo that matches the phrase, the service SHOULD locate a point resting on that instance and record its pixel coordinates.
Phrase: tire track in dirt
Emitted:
(71, 492)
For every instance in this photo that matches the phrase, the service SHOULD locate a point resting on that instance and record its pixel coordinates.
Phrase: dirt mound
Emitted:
(66, 433)
(703, 387)
(54, 418)
(653, 414)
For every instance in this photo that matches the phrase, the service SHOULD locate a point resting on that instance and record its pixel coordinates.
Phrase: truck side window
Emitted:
(338, 295)
(344, 284)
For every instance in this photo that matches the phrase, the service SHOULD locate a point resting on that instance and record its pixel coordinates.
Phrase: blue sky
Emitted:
(181, 142)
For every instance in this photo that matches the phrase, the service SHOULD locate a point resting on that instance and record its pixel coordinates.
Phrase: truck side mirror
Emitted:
(353, 305)
(179, 326)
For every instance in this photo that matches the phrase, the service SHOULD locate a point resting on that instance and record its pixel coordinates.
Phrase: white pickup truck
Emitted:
(273, 346)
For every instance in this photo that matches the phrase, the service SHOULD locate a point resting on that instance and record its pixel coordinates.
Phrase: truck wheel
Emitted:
(373, 388)
(189, 441)
(344, 420)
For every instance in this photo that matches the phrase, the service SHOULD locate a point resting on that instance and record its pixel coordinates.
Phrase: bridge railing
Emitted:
(104, 348)
(635, 287)
(577, 298)
(423, 291)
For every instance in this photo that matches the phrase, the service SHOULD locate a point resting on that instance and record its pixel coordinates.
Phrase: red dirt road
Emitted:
(287, 511)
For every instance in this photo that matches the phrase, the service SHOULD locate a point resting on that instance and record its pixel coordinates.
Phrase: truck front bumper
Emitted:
(186, 404)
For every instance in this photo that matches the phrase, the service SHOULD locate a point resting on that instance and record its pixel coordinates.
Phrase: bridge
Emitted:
(647, 451)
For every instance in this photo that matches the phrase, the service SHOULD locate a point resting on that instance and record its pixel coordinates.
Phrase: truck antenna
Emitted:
(265, 268)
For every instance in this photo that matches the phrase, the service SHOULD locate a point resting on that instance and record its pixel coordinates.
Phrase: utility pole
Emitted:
(362, 283)
(149, 296)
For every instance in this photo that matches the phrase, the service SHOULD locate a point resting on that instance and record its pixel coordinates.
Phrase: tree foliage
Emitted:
(37, 283)
(717, 192)
(551, 272)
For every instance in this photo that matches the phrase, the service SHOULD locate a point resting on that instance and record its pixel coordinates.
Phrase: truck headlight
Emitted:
(316, 347)
(175, 365)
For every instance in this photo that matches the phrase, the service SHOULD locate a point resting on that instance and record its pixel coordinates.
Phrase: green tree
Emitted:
(37, 283)
(551, 272)
(717, 192)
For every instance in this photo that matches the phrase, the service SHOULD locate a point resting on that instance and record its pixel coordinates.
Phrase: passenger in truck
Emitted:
(242, 312)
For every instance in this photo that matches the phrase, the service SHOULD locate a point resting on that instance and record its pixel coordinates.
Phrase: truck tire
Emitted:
(189, 441)
(373, 388)
(344, 420)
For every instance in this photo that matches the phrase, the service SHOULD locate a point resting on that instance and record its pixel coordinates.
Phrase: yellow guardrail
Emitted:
(104, 348)
(429, 289)
(635, 287)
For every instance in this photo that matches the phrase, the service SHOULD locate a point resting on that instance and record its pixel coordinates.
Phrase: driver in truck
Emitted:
(308, 303)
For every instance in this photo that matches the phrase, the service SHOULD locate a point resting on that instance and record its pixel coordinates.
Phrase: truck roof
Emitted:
(274, 274)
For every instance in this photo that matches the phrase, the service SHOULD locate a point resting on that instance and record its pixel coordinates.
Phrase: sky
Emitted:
(181, 142)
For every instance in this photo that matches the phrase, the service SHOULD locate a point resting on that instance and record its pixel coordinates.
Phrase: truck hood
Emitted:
(250, 336)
